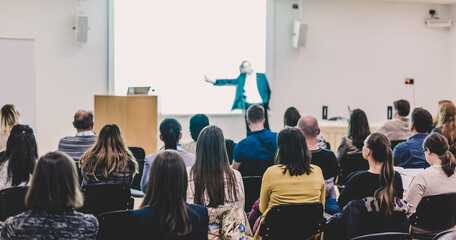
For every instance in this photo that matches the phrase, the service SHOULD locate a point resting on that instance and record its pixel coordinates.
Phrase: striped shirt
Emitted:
(77, 145)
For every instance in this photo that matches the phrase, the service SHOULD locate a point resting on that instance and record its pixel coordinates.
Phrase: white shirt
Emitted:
(85, 133)
(252, 95)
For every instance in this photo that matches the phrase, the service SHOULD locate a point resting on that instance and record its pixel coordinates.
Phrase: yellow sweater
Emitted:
(278, 188)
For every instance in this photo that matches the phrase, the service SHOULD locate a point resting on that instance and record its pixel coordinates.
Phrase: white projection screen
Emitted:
(170, 45)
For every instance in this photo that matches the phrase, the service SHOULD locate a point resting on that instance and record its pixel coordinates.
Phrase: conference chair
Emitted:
(114, 225)
(349, 164)
(446, 235)
(434, 214)
(103, 198)
(252, 187)
(12, 202)
(140, 156)
(255, 167)
(356, 220)
(385, 236)
(289, 221)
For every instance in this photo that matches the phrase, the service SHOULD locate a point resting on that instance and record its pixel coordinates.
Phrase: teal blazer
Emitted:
(239, 99)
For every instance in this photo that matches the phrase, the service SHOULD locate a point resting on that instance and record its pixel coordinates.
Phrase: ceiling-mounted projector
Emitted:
(439, 23)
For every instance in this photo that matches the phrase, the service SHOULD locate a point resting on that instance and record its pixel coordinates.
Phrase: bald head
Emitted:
(309, 126)
(83, 120)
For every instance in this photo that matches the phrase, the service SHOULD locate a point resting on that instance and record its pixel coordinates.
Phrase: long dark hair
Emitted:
(109, 153)
(382, 153)
(21, 154)
(438, 144)
(211, 168)
(54, 186)
(170, 130)
(358, 127)
(167, 192)
(292, 152)
(291, 117)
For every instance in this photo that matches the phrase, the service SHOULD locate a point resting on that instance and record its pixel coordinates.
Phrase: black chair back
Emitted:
(252, 187)
(385, 236)
(103, 198)
(395, 143)
(255, 167)
(140, 156)
(289, 221)
(12, 202)
(138, 152)
(436, 212)
(357, 221)
(112, 225)
(350, 164)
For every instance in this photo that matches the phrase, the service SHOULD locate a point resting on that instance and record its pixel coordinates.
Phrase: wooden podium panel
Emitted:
(135, 115)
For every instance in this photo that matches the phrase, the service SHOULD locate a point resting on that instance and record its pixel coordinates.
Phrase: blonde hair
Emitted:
(9, 116)
(436, 117)
(447, 120)
(108, 154)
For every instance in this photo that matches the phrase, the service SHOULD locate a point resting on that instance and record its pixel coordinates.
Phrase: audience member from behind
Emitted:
(108, 161)
(294, 179)
(197, 123)
(170, 134)
(255, 153)
(291, 118)
(398, 128)
(358, 130)
(212, 182)
(380, 181)
(164, 213)
(53, 195)
(76, 145)
(18, 162)
(440, 178)
(9, 116)
(323, 158)
(447, 124)
(436, 117)
(409, 154)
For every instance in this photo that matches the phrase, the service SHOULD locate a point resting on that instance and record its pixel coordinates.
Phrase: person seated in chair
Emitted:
(380, 180)
(254, 154)
(323, 158)
(294, 179)
(170, 134)
(77, 145)
(409, 154)
(439, 178)
(19, 159)
(108, 161)
(53, 195)
(398, 128)
(164, 214)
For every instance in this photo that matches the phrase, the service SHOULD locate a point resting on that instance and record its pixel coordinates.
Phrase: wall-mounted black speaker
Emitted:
(324, 112)
(389, 112)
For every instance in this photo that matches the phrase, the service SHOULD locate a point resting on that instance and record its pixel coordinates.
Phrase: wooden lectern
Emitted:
(135, 115)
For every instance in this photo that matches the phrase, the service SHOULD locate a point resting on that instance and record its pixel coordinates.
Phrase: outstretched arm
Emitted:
(221, 82)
